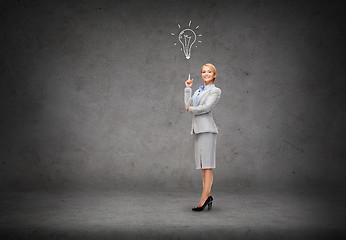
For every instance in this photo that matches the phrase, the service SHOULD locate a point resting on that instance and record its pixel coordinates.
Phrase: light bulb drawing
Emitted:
(187, 37)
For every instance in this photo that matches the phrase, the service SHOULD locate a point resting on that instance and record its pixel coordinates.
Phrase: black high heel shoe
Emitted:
(208, 202)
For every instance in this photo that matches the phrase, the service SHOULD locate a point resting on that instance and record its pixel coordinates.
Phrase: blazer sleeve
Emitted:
(187, 97)
(208, 105)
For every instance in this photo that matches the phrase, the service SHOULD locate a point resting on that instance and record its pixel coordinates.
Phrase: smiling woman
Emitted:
(204, 128)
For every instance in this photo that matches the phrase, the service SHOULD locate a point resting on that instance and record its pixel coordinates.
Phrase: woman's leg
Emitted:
(208, 180)
(203, 197)
(203, 177)
(207, 175)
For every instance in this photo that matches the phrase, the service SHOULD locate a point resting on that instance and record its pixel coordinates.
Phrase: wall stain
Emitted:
(294, 147)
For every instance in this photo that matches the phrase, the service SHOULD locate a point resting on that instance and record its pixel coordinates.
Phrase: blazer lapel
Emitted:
(203, 94)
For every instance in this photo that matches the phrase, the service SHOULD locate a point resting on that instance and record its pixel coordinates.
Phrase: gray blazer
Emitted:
(202, 119)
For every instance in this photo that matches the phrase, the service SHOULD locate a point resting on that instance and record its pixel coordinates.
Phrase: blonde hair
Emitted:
(212, 68)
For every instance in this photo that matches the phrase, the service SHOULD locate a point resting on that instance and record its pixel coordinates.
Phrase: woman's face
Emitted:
(207, 74)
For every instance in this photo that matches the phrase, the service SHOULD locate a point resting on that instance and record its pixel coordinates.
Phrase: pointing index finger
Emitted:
(189, 76)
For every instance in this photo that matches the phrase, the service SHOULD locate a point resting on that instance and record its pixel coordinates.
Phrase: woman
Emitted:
(203, 128)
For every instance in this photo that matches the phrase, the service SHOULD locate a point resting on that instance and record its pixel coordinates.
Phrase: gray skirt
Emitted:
(205, 145)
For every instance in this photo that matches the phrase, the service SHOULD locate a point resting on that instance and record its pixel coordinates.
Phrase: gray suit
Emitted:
(202, 120)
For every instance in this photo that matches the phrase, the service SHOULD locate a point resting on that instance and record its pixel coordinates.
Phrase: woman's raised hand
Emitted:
(189, 82)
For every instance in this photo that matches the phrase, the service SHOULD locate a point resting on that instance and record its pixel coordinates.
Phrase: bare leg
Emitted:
(207, 183)
(203, 177)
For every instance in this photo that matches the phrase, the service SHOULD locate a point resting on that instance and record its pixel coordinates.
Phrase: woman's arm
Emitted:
(211, 101)
(187, 97)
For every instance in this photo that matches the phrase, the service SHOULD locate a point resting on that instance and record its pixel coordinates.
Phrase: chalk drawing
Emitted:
(187, 37)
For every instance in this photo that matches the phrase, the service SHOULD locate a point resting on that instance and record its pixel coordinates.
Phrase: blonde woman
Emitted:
(204, 129)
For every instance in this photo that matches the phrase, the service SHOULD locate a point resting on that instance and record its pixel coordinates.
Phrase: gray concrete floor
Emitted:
(166, 214)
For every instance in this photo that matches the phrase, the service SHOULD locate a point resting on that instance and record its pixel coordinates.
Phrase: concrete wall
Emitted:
(92, 93)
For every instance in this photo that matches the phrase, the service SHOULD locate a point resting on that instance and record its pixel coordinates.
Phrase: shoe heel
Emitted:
(210, 205)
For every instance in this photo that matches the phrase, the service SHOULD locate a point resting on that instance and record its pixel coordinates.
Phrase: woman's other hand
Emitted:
(189, 82)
